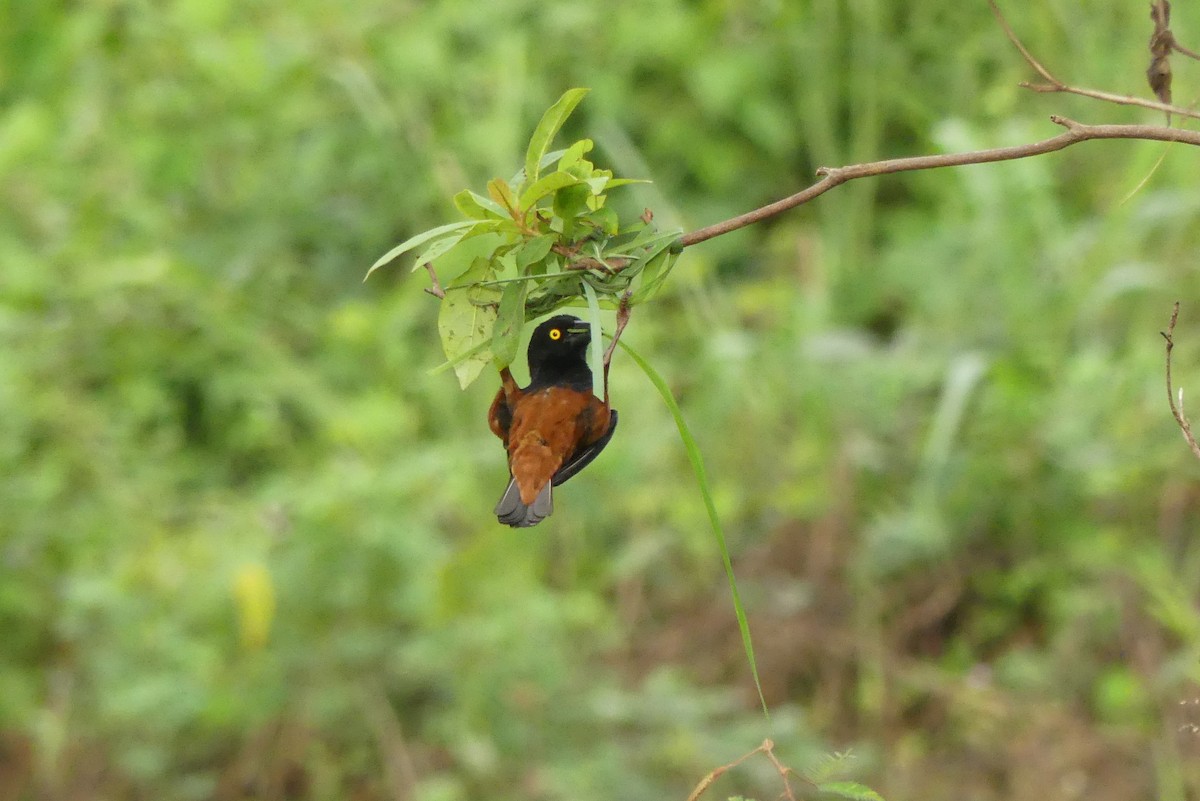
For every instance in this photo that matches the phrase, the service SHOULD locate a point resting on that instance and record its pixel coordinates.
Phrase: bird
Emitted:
(552, 428)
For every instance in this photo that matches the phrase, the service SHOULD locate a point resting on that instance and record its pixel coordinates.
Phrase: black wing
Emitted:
(584, 456)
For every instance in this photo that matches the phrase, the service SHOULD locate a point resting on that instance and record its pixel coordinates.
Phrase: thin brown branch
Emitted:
(1178, 48)
(1012, 37)
(834, 176)
(435, 290)
(1054, 84)
(1109, 97)
(768, 748)
(1163, 41)
(574, 261)
(702, 787)
(1076, 132)
(623, 309)
(1177, 409)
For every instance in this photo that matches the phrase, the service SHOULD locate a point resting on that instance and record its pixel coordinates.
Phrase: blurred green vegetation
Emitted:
(246, 542)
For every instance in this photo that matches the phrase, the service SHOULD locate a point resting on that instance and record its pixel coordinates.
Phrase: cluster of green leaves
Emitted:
(539, 257)
(540, 241)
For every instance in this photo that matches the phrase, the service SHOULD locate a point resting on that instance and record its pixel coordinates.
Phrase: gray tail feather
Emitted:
(512, 512)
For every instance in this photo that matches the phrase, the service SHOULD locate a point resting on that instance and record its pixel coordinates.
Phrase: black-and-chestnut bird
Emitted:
(552, 428)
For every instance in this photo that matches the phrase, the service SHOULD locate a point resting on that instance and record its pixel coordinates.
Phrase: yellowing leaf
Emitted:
(254, 597)
(502, 193)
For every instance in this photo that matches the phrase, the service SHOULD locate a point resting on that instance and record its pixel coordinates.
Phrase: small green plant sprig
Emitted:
(545, 239)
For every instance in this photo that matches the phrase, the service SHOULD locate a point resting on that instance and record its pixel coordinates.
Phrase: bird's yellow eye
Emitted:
(555, 334)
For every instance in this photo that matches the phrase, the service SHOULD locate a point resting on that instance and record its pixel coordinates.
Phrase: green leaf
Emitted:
(574, 153)
(569, 203)
(828, 766)
(528, 279)
(547, 160)
(460, 258)
(597, 183)
(504, 265)
(465, 321)
(439, 247)
(506, 335)
(547, 184)
(534, 250)
(606, 220)
(481, 348)
(693, 452)
(596, 346)
(555, 291)
(482, 227)
(642, 236)
(418, 240)
(653, 275)
(613, 183)
(583, 169)
(550, 124)
(655, 265)
(850, 790)
(478, 207)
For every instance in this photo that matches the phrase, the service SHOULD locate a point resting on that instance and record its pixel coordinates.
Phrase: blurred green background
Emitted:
(246, 541)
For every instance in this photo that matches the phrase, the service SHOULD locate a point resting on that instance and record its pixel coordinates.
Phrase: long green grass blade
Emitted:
(693, 452)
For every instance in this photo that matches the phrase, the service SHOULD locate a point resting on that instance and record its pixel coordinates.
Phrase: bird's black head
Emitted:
(558, 353)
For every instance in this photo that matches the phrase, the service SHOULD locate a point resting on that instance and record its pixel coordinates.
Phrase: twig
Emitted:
(1163, 39)
(1109, 97)
(435, 290)
(834, 176)
(713, 775)
(1162, 42)
(1178, 48)
(1177, 410)
(622, 320)
(574, 261)
(1055, 85)
(768, 748)
(1012, 37)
